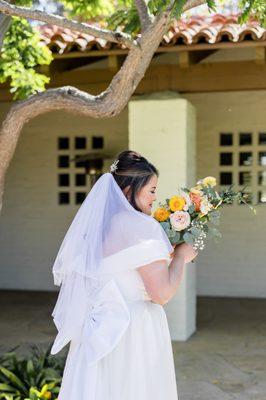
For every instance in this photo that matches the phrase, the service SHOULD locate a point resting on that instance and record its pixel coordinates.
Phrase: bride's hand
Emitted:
(185, 251)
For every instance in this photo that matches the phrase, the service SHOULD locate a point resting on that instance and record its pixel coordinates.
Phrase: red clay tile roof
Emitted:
(193, 30)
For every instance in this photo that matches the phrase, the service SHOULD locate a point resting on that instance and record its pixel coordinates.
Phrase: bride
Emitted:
(117, 268)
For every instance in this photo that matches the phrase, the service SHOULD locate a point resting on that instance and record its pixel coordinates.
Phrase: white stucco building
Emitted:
(200, 110)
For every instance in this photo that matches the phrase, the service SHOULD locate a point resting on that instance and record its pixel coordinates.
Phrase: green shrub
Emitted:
(33, 377)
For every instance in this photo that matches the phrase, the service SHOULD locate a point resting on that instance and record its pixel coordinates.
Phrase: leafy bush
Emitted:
(34, 377)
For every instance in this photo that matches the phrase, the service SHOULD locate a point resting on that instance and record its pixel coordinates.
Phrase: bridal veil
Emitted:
(106, 232)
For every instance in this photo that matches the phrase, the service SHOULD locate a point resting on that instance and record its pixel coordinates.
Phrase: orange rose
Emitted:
(161, 214)
(196, 200)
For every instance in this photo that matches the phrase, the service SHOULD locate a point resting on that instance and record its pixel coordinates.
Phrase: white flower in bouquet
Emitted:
(180, 220)
(205, 206)
(185, 196)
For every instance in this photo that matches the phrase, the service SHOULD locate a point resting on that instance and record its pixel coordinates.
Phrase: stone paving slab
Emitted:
(201, 390)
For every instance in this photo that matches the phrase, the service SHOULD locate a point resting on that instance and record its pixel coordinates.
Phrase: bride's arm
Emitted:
(161, 282)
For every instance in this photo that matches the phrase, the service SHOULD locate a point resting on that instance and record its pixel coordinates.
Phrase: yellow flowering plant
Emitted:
(192, 215)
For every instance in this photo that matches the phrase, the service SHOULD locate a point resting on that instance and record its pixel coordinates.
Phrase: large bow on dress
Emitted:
(103, 321)
(107, 319)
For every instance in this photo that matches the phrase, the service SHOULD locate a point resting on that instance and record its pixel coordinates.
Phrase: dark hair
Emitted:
(135, 171)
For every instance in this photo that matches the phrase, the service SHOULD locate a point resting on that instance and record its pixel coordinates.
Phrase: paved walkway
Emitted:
(224, 360)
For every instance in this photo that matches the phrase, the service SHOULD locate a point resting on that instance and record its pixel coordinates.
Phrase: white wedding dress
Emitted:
(125, 351)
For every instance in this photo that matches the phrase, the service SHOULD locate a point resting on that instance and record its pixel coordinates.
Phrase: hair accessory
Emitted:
(114, 166)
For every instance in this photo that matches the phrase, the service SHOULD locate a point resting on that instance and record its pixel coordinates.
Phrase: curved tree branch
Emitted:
(38, 15)
(107, 104)
(144, 15)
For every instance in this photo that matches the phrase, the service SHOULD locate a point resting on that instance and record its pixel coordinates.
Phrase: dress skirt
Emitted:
(140, 367)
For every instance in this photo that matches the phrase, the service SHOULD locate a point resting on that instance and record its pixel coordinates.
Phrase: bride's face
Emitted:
(147, 196)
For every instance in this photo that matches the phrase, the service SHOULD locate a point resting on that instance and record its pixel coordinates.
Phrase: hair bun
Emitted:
(136, 156)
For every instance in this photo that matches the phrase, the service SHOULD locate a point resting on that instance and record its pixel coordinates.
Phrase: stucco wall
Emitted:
(235, 266)
(32, 223)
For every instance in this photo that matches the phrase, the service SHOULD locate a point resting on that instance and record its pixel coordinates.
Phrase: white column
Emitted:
(162, 127)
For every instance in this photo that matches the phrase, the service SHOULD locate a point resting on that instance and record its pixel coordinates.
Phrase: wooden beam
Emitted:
(240, 75)
(215, 77)
(115, 62)
(188, 58)
(207, 77)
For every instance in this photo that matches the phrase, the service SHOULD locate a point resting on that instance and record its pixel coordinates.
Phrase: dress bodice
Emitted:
(130, 284)
(122, 267)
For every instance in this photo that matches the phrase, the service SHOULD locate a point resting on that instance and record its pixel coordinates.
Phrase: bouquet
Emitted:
(192, 215)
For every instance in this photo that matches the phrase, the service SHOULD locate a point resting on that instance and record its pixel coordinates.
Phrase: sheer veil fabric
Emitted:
(106, 235)
(106, 225)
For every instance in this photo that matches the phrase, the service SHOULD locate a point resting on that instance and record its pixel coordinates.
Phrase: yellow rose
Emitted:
(161, 214)
(209, 181)
(176, 203)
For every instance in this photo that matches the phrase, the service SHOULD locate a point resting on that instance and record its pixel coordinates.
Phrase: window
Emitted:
(262, 158)
(245, 139)
(63, 161)
(244, 178)
(80, 197)
(262, 138)
(63, 143)
(80, 143)
(226, 158)
(63, 198)
(226, 139)
(242, 162)
(245, 158)
(97, 142)
(226, 178)
(71, 175)
(63, 179)
(262, 196)
(80, 179)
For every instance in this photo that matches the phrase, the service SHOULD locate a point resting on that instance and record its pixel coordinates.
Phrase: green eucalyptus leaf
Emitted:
(195, 231)
(188, 238)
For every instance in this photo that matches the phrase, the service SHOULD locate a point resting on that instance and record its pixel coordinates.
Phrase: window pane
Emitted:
(244, 178)
(63, 180)
(262, 196)
(63, 198)
(80, 197)
(97, 142)
(262, 178)
(262, 158)
(262, 138)
(81, 163)
(80, 143)
(226, 178)
(245, 139)
(63, 161)
(226, 158)
(248, 198)
(245, 158)
(226, 139)
(63, 143)
(80, 179)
